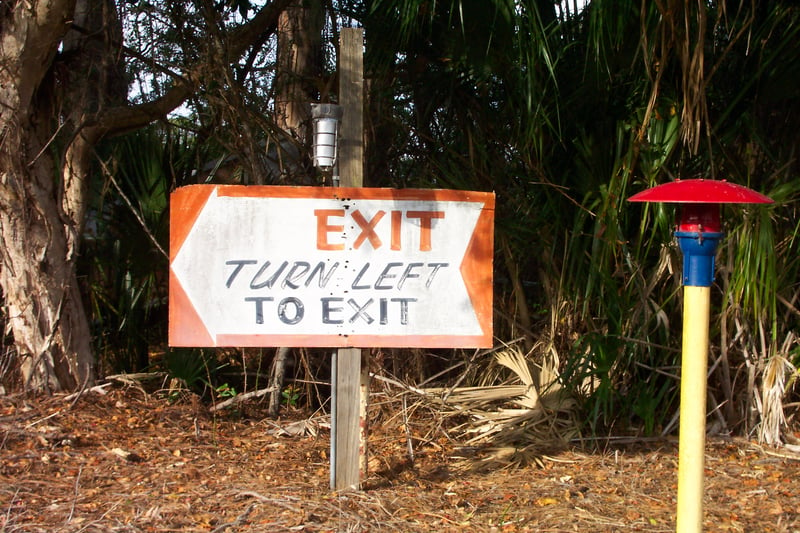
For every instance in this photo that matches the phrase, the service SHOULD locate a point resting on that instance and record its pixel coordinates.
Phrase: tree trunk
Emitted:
(45, 311)
(39, 238)
(299, 64)
(58, 74)
(299, 61)
(276, 378)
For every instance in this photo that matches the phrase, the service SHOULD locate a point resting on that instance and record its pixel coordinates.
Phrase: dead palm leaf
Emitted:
(514, 421)
(772, 391)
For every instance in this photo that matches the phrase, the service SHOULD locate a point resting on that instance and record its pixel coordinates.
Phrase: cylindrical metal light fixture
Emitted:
(326, 119)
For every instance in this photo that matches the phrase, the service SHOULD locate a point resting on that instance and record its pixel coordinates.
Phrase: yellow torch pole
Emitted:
(698, 233)
(691, 453)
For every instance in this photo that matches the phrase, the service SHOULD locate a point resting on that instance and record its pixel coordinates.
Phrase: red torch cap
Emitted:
(701, 191)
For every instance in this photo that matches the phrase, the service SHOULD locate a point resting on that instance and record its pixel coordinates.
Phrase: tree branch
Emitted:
(118, 120)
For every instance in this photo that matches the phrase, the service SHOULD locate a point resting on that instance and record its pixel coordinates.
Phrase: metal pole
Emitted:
(691, 448)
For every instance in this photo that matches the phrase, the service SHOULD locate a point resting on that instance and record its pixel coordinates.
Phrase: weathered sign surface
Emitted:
(322, 266)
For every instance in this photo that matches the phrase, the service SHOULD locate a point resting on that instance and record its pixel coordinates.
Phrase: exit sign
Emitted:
(330, 267)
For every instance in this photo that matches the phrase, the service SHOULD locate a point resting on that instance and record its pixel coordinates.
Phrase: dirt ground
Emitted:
(127, 460)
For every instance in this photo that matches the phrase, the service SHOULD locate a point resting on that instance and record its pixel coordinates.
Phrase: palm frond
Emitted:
(773, 389)
(510, 420)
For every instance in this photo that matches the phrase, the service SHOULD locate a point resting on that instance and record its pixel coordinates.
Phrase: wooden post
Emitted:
(349, 430)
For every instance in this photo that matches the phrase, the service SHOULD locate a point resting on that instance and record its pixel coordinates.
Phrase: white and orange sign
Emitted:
(335, 267)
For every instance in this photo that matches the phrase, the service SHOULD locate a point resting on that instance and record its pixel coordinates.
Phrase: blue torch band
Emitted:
(698, 250)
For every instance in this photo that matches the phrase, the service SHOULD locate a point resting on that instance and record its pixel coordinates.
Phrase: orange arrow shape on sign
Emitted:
(186, 204)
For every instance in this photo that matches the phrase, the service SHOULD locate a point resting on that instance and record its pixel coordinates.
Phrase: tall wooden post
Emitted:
(351, 384)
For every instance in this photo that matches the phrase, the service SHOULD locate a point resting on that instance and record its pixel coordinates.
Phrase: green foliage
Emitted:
(124, 262)
(190, 367)
(567, 118)
(195, 370)
(592, 365)
(290, 395)
(225, 391)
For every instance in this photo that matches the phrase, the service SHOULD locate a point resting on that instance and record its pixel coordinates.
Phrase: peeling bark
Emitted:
(44, 307)
(37, 276)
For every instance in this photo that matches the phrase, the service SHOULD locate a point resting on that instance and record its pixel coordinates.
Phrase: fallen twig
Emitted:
(239, 521)
(136, 376)
(100, 389)
(409, 442)
(77, 395)
(240, 398)
(398, 384)
(75, 498)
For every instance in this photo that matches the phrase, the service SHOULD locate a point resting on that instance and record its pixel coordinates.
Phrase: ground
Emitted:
(127, 460)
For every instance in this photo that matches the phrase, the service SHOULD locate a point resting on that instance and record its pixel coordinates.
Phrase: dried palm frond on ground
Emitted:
(514, 421)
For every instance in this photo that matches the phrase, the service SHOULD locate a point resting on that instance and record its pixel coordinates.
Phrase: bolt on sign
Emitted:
(330, 267)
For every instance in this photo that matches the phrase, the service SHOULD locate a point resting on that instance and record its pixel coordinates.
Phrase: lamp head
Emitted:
(325, 119)
(699, 226)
